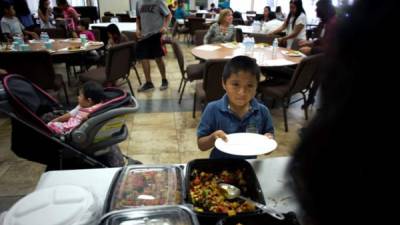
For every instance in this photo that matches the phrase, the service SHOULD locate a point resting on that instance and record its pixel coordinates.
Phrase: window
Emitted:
(241, 5)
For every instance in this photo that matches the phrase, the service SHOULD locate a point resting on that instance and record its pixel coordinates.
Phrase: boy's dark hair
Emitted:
(84, 24)
(93, 90)
(241, 63)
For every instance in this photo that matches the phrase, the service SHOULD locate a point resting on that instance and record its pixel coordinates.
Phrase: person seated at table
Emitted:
(180, 11)
(213, 9)
(45, 14)
(90, 97)
(11, 26)
(82, 28)
(115, 36)
(70, 15)
(237, 111)
(295, 25)
(326, 28)
(222, 31)
(279, 14)
(266, 16)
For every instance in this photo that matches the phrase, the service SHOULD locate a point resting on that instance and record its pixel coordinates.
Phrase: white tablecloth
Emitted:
(270, 173)
(121, 26)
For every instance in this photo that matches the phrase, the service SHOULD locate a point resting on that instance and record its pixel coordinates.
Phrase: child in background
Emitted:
(10, 25)
(237, 111)
(90, 97)
(114, 36)
(82, 28)
(70, 15)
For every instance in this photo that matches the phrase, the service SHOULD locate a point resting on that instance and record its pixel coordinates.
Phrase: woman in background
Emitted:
(223, 30)
(295, 24)
(45, 14)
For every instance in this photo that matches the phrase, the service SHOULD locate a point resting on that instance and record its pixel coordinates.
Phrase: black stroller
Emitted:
(93, 144)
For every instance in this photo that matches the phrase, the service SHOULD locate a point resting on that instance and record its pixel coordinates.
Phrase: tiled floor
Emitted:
(162, 131)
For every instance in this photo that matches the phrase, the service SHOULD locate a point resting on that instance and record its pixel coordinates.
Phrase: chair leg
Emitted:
(285, 108)
(183, 89)
(68, 74)
(194, 105)
(180, 85)
(130, 86)
(65, 93)
(137, 75)
(305, 106)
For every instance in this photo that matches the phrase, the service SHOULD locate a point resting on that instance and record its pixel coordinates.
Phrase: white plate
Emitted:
(292, 53)
(246, 144)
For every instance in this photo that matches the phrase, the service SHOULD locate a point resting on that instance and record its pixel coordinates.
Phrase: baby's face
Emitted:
(240, 88)
(83, 101)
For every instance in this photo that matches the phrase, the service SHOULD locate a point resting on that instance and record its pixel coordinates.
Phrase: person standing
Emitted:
(152, 19)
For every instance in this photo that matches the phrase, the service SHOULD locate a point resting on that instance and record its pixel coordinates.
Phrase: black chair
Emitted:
(37, 66)
(118, 66)
(132, 37)
(210, 88)
(190, 73)
(301, 82)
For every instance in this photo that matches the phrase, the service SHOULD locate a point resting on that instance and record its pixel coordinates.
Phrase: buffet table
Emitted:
(270, 173)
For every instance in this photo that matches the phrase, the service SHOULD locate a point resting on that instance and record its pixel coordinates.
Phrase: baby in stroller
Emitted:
(86, 140)
(91, 95)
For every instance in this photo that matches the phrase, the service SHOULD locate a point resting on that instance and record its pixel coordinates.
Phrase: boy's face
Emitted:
(240, 88)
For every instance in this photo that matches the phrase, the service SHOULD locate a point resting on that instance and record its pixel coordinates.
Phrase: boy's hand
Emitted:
(269, 135)
(220, 134)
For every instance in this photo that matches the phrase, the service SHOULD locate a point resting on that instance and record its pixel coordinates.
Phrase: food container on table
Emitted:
(151, 215)
(237, 170)
(150, 185)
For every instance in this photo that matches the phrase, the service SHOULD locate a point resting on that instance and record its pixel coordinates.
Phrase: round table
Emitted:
(64, 46)
(262, 53)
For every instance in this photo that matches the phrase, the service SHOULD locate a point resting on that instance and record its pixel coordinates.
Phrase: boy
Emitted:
(237, 111)
(10, 24)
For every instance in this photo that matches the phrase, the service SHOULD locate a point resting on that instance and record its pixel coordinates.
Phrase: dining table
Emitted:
(261, 52)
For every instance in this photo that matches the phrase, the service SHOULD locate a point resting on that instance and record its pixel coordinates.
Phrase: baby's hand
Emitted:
(269, 135)
(220, 134)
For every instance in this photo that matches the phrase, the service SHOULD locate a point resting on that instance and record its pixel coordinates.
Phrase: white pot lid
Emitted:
(58, 205)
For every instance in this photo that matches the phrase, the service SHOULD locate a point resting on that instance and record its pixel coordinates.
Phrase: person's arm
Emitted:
(138, 28)
(74, 14)
(32, 34)
(43, 17)
(167, 19)
(207, 142)
(3, 72)
(63, 118)
(297, 29)
(280, 29)
(209, 34)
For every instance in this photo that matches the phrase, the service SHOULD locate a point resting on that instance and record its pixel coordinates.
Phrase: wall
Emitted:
(115, 6)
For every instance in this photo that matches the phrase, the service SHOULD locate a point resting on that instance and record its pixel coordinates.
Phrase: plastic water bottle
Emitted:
(275, 48)
(83, 39)
(252, 43)
(246, 44)
(44, 37)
